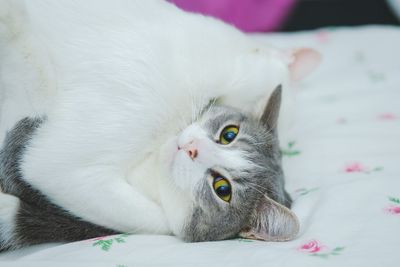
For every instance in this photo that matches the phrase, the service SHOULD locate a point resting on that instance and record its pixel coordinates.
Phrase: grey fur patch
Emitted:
(38, 220)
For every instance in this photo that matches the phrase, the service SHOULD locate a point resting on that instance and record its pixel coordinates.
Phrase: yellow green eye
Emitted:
(228, 134)
(222, 188)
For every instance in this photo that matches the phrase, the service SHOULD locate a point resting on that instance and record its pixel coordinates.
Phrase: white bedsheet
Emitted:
(342, 165)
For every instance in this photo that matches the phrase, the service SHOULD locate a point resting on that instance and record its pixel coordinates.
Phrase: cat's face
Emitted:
(228, 164)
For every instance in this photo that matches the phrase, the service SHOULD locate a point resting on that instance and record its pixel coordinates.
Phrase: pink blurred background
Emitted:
(247, 15)
(295, 15)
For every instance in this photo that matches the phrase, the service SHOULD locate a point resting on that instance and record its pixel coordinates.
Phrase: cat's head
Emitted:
(227, 169)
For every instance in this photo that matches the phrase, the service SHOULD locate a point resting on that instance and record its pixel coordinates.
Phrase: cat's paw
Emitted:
(255, 76)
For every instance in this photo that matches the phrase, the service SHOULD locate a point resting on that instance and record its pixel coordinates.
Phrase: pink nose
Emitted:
(191, 150)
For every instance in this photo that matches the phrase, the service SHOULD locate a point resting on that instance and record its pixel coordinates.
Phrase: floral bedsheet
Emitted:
(342, 162)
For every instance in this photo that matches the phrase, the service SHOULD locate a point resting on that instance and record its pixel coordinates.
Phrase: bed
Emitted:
(342, 163)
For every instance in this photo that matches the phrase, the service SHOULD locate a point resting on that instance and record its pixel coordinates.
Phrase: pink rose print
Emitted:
(358, 167)
(312, 246)
(355, 167)
(387, 116)
(341, 121)
(394, 208)
(322, 37)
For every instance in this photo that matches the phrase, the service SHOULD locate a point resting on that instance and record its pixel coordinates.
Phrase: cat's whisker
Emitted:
(260, 186)
(212, 105)
(196, 107)
(266, 138)
(205, 103)
(267, 190)
(183, 121)
(262, 193)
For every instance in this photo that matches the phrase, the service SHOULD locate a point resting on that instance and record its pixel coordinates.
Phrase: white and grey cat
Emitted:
(133, 116)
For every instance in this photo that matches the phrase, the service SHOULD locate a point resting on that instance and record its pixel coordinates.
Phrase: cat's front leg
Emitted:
(117, 205)
(111, 203)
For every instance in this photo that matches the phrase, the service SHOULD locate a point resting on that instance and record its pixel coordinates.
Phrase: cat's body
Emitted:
(117, 82)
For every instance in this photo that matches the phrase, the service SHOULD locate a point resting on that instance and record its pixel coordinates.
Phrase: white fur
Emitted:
(8, 210)
(117, 79)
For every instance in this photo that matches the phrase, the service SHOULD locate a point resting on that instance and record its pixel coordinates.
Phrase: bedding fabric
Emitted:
(342, 163)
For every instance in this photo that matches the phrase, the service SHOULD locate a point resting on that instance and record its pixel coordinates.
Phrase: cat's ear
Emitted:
(271, 221)
(270, 114)
(301, 62)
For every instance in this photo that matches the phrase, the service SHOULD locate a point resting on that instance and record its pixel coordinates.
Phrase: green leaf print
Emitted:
(119, 240)
(376, 76)
(338, 249)
(334, 252)
(245, 240)
(290, 150)
(321, 255)
(106, 243)
(359, 57)
(305, 191)
(395, 200)
(376, 169)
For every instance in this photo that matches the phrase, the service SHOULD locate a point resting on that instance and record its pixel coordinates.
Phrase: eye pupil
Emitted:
(222, 188)
(223, 191)
(228, 134)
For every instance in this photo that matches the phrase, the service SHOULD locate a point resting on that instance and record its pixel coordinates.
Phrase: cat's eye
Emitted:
(222, 188)
(228, 134)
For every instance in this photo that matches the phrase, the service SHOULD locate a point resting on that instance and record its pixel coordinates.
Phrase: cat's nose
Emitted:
(191, 150)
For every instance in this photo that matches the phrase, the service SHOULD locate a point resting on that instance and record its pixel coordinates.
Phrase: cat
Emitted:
(243, 195)
(124, 105)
